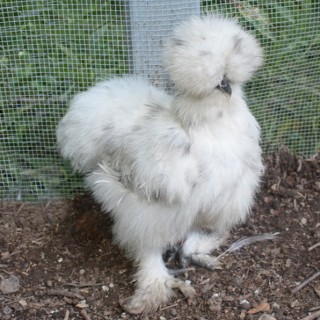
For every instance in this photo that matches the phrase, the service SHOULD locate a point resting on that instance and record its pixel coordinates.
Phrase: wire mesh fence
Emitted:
(51, 49)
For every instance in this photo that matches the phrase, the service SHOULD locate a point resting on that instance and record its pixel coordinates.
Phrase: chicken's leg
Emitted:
(154, 285)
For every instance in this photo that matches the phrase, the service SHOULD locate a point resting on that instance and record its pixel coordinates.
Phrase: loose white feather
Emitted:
(249, 240)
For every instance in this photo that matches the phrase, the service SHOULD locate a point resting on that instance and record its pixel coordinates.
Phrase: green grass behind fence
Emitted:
(50, 50)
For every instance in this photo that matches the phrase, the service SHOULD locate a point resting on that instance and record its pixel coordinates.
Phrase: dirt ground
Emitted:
(58, 261)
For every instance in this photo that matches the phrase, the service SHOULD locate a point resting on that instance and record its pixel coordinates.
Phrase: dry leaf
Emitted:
(259, 308)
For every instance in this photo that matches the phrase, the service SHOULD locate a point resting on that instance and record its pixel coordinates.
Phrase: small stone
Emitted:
(173, 312)
(215, 303)
(82, 304)
(288, 263)
(111, 285)
(82, 272)
(294, 303)
(23, 303)
(275, 306)
(303, 221)
(7, 310)
(257, 292)
(60, 260)
(274, 187)
(49, 283)
(267, 200)
(162, 318)
(245, 304)
(105, 288)
(9, 285)
(57, 314)
(84, 290)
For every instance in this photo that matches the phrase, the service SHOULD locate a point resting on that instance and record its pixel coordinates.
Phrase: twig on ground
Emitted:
(66, 316)
(314, 246)
(312, 316)
(47, 205)
(7, 272)
(169, 307)
(304, 283)
(84, 314)
(315, 309)
(83, 285)
(20, 209)
(64, 293)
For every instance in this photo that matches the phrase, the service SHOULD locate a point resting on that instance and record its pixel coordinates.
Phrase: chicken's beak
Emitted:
(225, 86)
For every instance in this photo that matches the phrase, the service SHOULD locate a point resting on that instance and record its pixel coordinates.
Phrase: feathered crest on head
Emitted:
(203, 51)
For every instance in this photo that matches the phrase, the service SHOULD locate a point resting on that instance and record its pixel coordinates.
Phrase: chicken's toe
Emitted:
(205, 261)
(186, 289)
(132, 305)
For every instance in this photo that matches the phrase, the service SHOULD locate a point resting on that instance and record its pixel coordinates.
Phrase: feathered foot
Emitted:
(197, 249)
(186, 289)
(205, 261)
(158, 293)
(155, 286)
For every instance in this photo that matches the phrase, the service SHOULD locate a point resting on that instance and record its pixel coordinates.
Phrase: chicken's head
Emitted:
(211, 53)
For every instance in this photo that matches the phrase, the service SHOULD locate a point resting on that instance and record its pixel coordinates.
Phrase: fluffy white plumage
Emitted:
(172, 168)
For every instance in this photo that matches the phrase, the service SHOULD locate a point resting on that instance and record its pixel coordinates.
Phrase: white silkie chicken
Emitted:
(170, 169)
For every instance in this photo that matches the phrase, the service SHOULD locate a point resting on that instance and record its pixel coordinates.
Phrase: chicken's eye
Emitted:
(224, 86)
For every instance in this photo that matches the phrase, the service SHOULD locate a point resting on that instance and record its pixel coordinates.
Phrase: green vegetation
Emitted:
(50, 49)
(285, 95)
